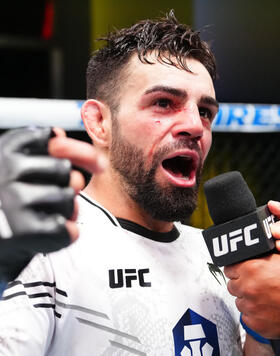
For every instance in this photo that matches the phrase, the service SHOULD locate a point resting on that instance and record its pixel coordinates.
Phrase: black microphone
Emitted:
(241, 230)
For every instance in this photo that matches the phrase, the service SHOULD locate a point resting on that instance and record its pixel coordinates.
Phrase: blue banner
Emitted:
(247, 118)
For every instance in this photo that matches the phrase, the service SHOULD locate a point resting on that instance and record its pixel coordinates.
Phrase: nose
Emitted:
(188, 123)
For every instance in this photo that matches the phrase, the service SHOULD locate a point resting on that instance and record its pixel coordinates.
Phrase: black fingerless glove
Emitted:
(35, 199)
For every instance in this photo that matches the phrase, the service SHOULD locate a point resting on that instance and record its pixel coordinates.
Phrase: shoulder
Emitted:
(91, 212)
(192, 237)
(187, 229)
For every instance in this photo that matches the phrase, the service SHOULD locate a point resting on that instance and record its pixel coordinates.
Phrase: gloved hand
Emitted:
(35, 199)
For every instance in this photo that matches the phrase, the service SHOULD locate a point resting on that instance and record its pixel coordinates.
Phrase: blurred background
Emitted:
(45, 46)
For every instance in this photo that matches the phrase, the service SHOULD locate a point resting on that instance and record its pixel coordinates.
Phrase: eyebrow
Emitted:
(170, 90)
(207, 100)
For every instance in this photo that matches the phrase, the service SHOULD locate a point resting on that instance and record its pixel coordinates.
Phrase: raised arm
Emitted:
(37, 194)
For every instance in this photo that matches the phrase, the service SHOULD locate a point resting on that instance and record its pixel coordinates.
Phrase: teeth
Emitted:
(186, 157)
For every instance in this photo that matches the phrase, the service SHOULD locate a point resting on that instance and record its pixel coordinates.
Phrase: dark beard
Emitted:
(168, 203)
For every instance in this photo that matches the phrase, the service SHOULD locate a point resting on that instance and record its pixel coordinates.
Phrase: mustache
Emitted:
(182, 143)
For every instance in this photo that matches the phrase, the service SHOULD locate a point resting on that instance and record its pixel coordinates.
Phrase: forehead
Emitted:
(139, 77)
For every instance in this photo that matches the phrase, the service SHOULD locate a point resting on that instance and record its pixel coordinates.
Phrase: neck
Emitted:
(108, 192)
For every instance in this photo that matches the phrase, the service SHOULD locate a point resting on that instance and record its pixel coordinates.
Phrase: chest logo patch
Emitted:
(128, 277)
(195, 336)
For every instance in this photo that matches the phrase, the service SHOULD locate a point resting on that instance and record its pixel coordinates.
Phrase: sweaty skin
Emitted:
(158, 105)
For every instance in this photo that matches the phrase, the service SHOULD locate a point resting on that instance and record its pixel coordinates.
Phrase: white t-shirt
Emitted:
(120, 290)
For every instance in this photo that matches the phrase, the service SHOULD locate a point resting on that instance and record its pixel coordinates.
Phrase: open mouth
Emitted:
(181, 166)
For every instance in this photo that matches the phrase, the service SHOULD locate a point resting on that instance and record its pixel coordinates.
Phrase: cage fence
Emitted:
(255, 155)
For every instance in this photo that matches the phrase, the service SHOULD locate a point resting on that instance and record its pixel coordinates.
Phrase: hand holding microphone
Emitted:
(241, 230)
(243, 240)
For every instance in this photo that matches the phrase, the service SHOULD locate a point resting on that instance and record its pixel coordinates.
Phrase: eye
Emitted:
(206, 113)
(163, 103)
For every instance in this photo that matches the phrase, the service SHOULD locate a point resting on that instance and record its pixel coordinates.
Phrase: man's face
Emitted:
(162, 135)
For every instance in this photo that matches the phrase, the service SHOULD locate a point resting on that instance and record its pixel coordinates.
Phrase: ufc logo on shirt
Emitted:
(127, 277)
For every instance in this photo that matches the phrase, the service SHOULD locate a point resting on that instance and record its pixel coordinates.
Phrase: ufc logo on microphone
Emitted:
(266, 223)
(228, 242)
(123, 278)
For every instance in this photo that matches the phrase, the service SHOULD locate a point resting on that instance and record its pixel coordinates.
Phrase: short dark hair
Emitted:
(172, 41)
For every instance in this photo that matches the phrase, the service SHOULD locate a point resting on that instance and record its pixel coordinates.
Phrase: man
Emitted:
(134, 282)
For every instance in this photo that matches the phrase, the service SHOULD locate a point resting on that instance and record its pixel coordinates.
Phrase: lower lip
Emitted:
(180, 182)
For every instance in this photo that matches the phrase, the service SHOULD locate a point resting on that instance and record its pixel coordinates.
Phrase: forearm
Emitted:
(255, 348)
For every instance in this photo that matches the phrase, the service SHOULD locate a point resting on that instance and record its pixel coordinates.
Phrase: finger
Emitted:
(43, 169)
(249, 307)
(231, 271)
(30, 140)
(233, 288)
(39, 199)
(81, 154)
(77, 181)
(57, 131)
(277, 245)
(239, 302)
(58, 201)
(274, 207)
(275, 230)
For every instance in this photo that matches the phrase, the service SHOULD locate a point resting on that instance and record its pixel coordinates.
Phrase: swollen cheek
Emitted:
(144, 134)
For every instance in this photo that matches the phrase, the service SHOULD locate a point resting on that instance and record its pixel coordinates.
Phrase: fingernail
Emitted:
(275, 203)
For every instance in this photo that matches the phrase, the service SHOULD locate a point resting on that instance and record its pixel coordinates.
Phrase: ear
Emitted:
(97, 120)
